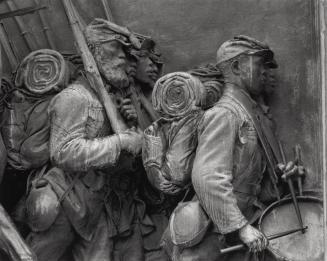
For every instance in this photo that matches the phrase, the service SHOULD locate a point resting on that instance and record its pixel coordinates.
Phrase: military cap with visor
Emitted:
(247, 45)
(148, 48)
(100, 31)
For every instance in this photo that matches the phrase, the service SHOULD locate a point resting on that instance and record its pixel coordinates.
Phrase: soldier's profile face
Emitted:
(253, 73)
(111, 60)
(270, 81)
(147, 71)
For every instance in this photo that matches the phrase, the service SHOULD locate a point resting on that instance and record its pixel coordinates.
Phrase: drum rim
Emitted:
(282, 202)
(286, 200)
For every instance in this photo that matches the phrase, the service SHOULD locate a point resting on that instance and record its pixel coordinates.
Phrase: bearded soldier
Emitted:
(234, 170)
(101, 216)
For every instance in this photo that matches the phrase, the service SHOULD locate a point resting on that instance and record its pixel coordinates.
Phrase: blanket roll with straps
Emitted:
(177, 94)
(42, 72)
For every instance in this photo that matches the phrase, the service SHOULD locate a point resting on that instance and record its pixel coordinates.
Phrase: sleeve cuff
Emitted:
(232, 227)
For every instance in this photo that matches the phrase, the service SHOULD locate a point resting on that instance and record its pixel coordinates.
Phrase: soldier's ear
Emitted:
(235, 67)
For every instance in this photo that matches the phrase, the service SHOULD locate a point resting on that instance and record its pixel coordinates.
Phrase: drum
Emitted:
(280, 216)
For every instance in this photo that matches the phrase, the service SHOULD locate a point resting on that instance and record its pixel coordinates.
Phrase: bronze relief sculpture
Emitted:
(124, 162)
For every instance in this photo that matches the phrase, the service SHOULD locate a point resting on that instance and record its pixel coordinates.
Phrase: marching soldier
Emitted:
(145, 70)
(99, 215)
(234, 171)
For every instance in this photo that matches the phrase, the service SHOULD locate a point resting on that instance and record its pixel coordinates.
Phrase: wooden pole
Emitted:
(46, 27)
(7, 48)
(117, 123)
(107, 10)
(321, 29)
(28, 37)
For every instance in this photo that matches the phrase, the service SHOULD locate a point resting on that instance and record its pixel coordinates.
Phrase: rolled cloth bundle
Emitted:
(41, 72)
(177, 94)
(212, 79)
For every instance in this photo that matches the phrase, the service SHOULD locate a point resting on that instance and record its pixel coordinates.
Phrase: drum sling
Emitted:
(265, 134)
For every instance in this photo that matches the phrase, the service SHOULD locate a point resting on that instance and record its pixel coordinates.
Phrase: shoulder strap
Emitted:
(266, 137)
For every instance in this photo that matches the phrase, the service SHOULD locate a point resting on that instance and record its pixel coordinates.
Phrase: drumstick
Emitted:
(282, 152)
(274, 236)
(291, 187)
(297, 151)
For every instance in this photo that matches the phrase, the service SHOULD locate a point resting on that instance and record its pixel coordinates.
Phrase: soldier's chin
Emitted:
(118, 79)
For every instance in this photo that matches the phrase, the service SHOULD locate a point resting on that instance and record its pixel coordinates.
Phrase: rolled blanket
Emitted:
(176, 94)
(212, 80)
(42, 72)
(214, 91)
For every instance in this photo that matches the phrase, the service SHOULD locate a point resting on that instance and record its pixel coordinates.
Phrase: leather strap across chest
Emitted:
(267, 138)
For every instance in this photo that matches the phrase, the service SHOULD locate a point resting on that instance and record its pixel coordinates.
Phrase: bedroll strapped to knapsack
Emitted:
(40, 76)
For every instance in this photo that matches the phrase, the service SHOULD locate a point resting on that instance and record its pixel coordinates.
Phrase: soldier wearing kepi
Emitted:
(100, 215)
(158, 206)
(234, 171)
(148, 68)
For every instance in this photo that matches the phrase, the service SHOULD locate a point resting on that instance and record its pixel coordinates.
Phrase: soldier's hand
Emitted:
(253, 238)
(169, 188)
(131, 141)
(128, 111)
(290, 170)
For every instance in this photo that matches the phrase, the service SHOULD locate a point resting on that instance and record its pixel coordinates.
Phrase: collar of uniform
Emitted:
(234, 90)
(231, 89)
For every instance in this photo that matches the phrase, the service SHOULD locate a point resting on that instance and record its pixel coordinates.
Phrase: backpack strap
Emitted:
(70, 187)
(267, 138)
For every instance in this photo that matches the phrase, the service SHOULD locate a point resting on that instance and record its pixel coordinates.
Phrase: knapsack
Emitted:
(26, 129)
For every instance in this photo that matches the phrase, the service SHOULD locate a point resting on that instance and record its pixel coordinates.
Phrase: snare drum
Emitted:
(280, 216)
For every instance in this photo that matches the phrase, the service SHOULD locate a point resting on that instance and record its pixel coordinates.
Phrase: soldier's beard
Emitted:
(114, 73)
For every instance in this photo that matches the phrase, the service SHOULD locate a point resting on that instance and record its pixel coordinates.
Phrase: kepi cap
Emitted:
(102, 31)
(148, 46)
(243, 44)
